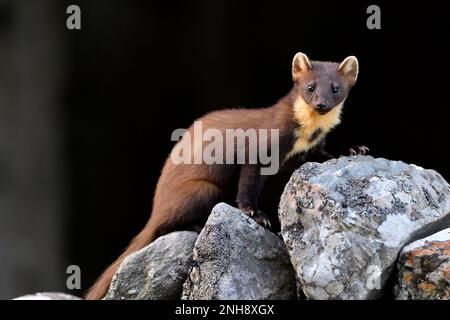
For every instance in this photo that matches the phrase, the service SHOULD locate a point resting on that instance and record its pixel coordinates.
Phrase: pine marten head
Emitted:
(323, 85)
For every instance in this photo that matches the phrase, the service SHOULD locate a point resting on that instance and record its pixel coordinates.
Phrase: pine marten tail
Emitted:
(99, 289)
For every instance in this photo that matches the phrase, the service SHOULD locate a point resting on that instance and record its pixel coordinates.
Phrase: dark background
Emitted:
(140, 69)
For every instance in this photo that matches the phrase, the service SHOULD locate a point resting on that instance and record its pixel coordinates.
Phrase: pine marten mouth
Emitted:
(322, 111)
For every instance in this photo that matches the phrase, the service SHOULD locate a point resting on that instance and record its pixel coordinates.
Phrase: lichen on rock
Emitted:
(345, 221)
(424, 269)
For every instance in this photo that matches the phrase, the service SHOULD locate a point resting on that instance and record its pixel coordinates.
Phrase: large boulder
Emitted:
(235, 258)
(157, 271)
(345, 221)
(424, 268)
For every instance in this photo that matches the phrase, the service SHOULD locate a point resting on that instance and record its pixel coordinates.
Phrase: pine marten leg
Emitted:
(291, 164)
(319, 154)
(250, 186)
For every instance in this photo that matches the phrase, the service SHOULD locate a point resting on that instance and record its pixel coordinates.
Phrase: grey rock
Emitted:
(48, 296)
(235, 258)
(155, 272)
(345, 221)
(424, 269)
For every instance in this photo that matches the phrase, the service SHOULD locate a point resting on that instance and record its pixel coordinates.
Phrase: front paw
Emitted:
(257, 215)
(358, 150)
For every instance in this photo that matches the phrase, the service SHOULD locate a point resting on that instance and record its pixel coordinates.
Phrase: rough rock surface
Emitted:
(235, 258)
(424, 268)
(48, 296)
(157, 271)
(345, 221)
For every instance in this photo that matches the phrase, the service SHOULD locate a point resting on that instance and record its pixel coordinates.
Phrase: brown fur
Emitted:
(186, 193)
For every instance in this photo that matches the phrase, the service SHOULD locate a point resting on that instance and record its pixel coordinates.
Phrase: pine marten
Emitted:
(186, 193)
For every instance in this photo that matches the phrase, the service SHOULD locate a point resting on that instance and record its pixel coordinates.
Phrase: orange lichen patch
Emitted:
(416, 254)
(446, 273)
(439, 245)
(409, 260)
(427, 287)
(420, 252)
(408, 277)
(447, 249)
(429, 249)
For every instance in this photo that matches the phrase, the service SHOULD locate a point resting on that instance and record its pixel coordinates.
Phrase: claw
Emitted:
(258, 216)
(363, 150)
(358, 150)
(249, 212)
(266, 223)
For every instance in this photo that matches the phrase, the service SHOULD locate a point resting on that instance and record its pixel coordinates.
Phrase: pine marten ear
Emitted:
(350, 68)
(300, 64)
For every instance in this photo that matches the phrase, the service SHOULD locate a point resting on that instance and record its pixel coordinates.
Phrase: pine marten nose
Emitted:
(322, 105)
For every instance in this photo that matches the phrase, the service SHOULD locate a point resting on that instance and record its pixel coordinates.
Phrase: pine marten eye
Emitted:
(310, 88)
(335, 89)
